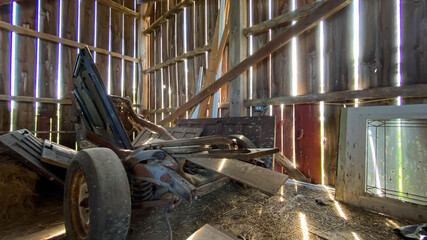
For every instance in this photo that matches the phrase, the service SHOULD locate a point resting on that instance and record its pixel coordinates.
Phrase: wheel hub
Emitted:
(79, 199)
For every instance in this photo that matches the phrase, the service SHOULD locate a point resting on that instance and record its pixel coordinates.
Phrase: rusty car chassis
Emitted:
(102, 184)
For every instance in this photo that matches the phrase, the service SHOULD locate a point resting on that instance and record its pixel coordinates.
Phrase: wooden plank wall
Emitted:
(173, 85)
(298, 127)
(5, 38)
(44, 68)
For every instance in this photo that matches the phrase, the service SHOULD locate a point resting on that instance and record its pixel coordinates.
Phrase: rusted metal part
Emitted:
(141, 190)
(242, 154)
(147, 135)
(209, 140)
(124, 102)
(156, 172)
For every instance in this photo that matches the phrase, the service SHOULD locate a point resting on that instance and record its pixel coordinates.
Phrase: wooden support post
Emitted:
(238, 52)
(142, 82)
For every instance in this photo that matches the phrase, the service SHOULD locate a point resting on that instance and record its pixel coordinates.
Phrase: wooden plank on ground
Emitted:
(266, 180)
(301, 26)
(288, 166)
(207, 232)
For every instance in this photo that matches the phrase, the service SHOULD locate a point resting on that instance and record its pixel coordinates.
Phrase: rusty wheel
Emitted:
(79, 204)
(97, 202)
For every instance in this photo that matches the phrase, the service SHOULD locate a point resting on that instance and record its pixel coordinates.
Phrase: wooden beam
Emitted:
(286, 164)
(33, 99)
(418, 90)
(149, 10)
(180, 58)
(52, 38)
(214, 60)
(119, 8)
(300, 27)
(281, 20)
(169, 14)
(142, 83)
(383, 93)
(238, 51)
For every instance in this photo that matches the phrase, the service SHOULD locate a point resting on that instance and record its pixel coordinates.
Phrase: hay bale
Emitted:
(17, 190)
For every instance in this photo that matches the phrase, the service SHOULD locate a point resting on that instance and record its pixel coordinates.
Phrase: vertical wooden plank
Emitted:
(172, 68)
(152, 91)
(281, 86)
(413, 42)
(157, 52)
(308, 58)
(87, 9)
(129, 46)
(260, 82)
(307, 141)
(281, 59)
(116, 46)
(25, 73)
(180, 51)
(307, 117)
(388, 52)
(212, 14)
(48, 69)
(330, 143)
(338, 49)
(278, 132)
(199, 37)
(370, 44)
(192, 74)
(5, 47)
(165, 57)
(68, 59)
(102, 41)
(238, 51)
(225, 90)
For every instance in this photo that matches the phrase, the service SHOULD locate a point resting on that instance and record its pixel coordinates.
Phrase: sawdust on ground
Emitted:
(249, 214)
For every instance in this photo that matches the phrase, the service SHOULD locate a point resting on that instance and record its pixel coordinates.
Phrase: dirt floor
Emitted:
(245, 213)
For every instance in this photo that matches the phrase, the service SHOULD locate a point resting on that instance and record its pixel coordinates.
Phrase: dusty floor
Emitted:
(245, 213)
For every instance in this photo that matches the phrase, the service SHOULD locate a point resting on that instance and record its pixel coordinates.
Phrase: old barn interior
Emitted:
(213, 119)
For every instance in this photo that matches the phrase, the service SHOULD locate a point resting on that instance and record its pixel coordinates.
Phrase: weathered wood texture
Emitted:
(25, 72)
(47, 118)
(102, 41)
(69, 54)
(261, 71)
(116, 46)
(5, 47)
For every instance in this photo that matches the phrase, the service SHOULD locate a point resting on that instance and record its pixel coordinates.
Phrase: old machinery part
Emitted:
(140, 190)
(97, 202)
(96, 105)
(23, 145)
